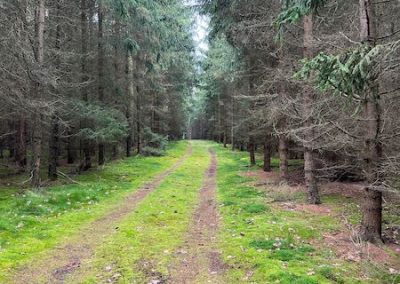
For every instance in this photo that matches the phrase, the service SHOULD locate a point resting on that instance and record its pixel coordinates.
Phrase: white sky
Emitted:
(200, 34)
(200, 30)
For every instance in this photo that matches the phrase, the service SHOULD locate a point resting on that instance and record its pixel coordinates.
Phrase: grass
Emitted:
(33, 222)
(262, 243)
(275, 162)
(146, 240)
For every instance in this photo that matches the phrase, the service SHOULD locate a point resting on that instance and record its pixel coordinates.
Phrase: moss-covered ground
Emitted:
(263, 243)
(33, 222)
(259, 240)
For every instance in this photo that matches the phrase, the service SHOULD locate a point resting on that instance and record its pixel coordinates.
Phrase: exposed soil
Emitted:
(344, 244)
(307, 208)
(295, 176)
(198, 260)
(346, 189)
(66, 259)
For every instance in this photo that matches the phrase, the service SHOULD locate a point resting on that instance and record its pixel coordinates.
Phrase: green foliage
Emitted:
(131, 45)
(156, 143)
(295, 10)
(351, 73)
(110, 124)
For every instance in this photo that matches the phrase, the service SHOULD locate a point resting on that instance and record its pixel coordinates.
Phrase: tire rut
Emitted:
(66, 260)
(198, 259)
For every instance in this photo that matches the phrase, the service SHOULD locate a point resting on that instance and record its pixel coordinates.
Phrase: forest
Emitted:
(199, 141)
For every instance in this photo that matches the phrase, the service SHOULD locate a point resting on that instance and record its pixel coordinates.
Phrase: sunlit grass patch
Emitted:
(33, 222)
(256, 208)
(144, 245)
(273, 245)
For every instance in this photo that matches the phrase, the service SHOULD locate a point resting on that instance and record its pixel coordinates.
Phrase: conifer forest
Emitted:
(200, 141)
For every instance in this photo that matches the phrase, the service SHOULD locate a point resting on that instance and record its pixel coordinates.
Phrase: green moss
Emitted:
(275, 245)
(144, 246)
(255, 208)
(290, 278)
(33, 222)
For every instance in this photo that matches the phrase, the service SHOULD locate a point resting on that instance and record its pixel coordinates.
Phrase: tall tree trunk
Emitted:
(224, 125)
(20, 153)
(233, 123)
(117, 75)
(267, 153)
(130, 88)
(54, 132)
(371, 224)
(252, 150)
(54, 148)
(309, 153)
(36, 116)
(138, 121)
(87, 161)
(283, 158)
(100, 66)
(11, 140)
(71, 152)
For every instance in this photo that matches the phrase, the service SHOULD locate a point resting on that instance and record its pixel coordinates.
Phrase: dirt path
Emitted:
(65, 260)
(198, 260)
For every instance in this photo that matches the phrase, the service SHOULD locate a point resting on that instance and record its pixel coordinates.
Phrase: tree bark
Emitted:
(117, 75)
(53, 149)
(129, 106)
(87, 161)
(138, 122)
(309, 154)
(36, 116)
(100, 66)
(267, 153)
(54, 132)
(233, 123)
(371, 224)
(71, 153)
(20, 151)
(11, 140)
(252, 151)
(283, 158)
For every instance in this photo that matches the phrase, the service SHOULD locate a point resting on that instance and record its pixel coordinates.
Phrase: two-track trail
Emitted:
(66, 259)
(198, 261)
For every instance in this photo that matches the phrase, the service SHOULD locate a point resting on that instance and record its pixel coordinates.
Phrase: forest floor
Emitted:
(197, 215)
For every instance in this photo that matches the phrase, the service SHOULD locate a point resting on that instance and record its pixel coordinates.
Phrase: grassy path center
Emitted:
(198, 260)
(67, 259)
